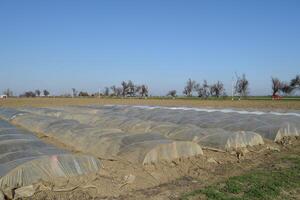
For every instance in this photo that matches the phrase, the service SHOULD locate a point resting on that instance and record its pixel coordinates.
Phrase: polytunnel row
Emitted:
(136, 134)
(25, 159)
(269, 125)
(104, 118)
(209, 127)
(104, 142)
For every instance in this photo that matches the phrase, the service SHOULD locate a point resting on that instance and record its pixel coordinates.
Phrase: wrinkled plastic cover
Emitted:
(208, 127)
(105, 137)
(147, 134)
(24, 158)
(267, 124)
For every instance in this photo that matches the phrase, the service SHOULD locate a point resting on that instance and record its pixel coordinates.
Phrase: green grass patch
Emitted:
(259, 184)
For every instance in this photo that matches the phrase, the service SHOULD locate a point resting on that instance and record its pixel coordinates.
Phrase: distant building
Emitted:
(3, 96)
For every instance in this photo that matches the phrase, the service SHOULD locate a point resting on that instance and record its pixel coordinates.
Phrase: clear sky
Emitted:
(87, 44)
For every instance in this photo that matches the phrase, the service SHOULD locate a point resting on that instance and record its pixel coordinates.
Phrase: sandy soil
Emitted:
(259, 104)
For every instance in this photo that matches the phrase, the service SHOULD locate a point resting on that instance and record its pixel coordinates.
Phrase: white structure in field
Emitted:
(3, 96)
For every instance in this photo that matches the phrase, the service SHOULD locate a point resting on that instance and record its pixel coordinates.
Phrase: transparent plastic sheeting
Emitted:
(207, 127)
(24, 158)
(150, 134)
(211, 137)
(271, 125)
(105, 142)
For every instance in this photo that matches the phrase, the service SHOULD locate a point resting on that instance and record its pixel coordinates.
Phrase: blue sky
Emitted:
(92, 44)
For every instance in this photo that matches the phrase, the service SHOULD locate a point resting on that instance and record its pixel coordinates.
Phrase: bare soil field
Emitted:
(195, 176)
(258, 104)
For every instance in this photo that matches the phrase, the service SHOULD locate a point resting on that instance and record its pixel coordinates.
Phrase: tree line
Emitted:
(216, 89)
(126, 89)
(202, 90)
(35, 93)
(240, 88)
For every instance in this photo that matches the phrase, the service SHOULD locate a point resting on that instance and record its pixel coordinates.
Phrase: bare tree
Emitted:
(217, 89)
(128, 88)
(172, 93)
(119, 91)
(295, 82)
(199, 89)
(28, 94)
(124, 88)
(46, 93)
(37, 92)
(114, 90)
(138, 90)
(74, 92)
(286, 88)
(205, 87)
(144, 91)
(83, 94)
(131, 89)
(276, 85)
(106, 91)
(202, 90)
(8, 92)
(190, 86)
(242, 86)
(211, 90)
